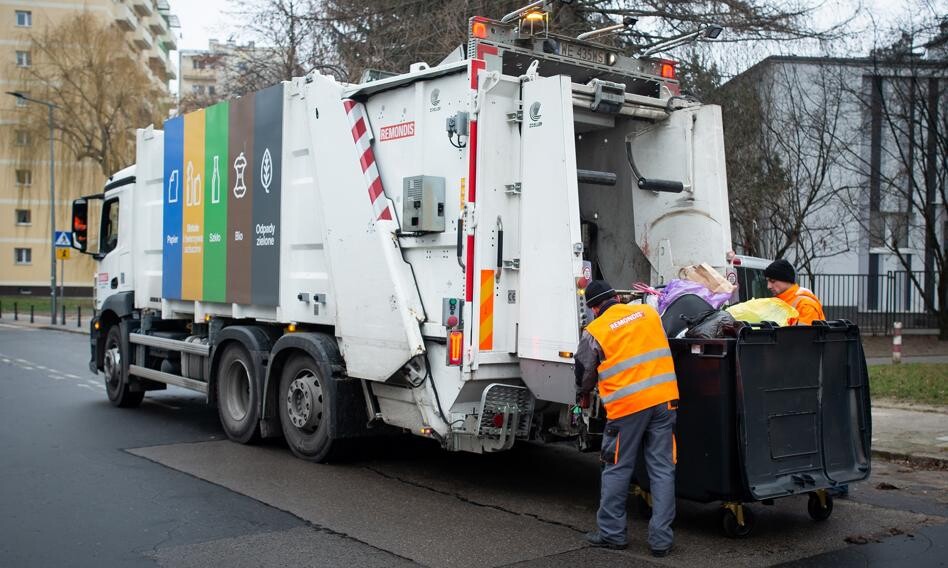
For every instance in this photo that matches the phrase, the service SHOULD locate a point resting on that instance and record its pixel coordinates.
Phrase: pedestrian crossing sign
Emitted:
(63, 239)
(62, 253)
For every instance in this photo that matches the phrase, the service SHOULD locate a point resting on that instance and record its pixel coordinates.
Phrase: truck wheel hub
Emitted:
(304, 402)
(113, 365)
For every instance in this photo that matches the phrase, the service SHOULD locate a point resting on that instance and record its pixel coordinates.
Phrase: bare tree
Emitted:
(85, 68)
(903, 100)
(286, 41)
(346, 37)
(784, 125)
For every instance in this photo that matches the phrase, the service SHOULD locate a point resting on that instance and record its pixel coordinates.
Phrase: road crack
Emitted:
(470, 501)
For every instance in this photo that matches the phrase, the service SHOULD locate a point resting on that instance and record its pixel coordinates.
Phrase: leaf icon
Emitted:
(266, 170)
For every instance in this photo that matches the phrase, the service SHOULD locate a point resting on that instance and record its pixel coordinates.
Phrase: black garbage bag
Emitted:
(711, 324)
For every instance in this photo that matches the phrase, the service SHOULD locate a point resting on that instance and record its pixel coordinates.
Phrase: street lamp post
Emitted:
(52, 204)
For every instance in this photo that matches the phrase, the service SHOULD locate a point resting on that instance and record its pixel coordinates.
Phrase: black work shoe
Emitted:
(661, 553)
(596, 540)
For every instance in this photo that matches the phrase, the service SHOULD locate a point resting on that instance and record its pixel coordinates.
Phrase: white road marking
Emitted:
(85, 386)
(57, 377)
(45, 369)
(25, 368)
(942, 438)
(71, 376)
(5, 360)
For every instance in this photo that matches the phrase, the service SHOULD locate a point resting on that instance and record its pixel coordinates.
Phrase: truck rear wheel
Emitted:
(115, 363)
(306, 406)
(238, 398)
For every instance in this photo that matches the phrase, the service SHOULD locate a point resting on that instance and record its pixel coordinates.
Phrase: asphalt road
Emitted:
(83, 483)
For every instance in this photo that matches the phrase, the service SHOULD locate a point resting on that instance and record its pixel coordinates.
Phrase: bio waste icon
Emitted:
(240, 186)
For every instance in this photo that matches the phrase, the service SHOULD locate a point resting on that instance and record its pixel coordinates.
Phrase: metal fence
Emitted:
(875, 301)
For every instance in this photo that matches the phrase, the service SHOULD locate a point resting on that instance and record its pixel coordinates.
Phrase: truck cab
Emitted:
(113, 237)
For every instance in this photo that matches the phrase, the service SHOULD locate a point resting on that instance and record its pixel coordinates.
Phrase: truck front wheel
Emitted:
(115, 363)
(237, 395)
(305, 406)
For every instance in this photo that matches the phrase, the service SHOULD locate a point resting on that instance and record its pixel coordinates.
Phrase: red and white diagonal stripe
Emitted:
(362, 136)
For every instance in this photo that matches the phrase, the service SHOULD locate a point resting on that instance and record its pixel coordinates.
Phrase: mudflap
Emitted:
(803, 408)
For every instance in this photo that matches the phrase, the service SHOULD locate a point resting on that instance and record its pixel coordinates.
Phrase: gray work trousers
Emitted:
(620, 447)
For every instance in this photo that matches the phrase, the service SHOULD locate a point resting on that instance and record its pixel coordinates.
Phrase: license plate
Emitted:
(584, 53)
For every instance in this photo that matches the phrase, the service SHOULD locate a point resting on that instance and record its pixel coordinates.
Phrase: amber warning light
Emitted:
(479, 29)
(455, 348)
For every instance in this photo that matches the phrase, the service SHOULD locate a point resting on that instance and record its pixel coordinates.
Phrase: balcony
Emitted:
(143, 7)
(158, 25)
(125, 18)
(143, 39)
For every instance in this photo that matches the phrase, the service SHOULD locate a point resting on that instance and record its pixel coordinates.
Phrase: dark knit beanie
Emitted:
(598, 292)
(781, 270)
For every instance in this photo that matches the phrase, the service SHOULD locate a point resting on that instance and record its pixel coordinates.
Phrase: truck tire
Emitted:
(238, 397)
(115, 365)
(306, 404)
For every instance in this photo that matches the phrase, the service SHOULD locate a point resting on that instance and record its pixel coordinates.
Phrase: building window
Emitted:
(22, 102)
(198, 63)
(24, 217)
(24, 177)
(23, 256)
(211, 90)
(23, 137)
(197, 89)
(24, 18)
(23, 59)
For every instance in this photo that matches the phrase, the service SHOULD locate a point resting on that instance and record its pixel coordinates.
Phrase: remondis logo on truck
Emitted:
(222, 187)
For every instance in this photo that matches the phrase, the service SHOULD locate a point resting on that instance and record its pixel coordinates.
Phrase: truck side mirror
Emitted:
(80, 224)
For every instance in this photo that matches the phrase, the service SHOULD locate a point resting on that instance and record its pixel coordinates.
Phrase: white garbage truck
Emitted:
(320, 258)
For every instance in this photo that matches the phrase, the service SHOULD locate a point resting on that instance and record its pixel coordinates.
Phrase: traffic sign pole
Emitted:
(62, 240)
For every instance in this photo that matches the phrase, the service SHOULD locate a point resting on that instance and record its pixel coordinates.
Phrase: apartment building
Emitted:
(209, 75)
(25, 232)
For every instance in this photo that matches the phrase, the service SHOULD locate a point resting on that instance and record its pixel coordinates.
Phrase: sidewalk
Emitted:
(43, 322)
(913, 432)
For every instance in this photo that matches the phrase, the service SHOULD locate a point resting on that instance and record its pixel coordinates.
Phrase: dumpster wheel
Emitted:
(737, 520)
(820, 505)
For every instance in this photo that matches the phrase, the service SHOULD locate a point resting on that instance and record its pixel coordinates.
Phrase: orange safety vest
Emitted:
(638, 371)
(804, 302)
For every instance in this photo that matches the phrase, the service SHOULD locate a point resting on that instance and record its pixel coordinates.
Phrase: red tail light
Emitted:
(455, 348)
(668, 70)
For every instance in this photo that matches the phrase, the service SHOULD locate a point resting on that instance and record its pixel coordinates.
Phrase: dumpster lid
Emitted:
(803, 408)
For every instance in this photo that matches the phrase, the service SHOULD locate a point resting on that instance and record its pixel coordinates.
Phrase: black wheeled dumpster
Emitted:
(779, 411)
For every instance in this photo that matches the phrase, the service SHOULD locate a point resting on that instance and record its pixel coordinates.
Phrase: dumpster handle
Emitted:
(703, 354)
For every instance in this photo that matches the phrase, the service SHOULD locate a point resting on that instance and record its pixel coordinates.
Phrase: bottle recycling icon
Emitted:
(216, 181)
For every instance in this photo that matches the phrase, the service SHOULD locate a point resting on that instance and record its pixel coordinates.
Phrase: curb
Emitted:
(925, 462)
(50, 327)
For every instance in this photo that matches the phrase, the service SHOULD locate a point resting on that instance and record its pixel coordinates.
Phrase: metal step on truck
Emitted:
(319, 258)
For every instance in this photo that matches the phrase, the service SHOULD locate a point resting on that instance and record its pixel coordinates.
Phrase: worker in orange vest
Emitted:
(781, 281)
(625, 354)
